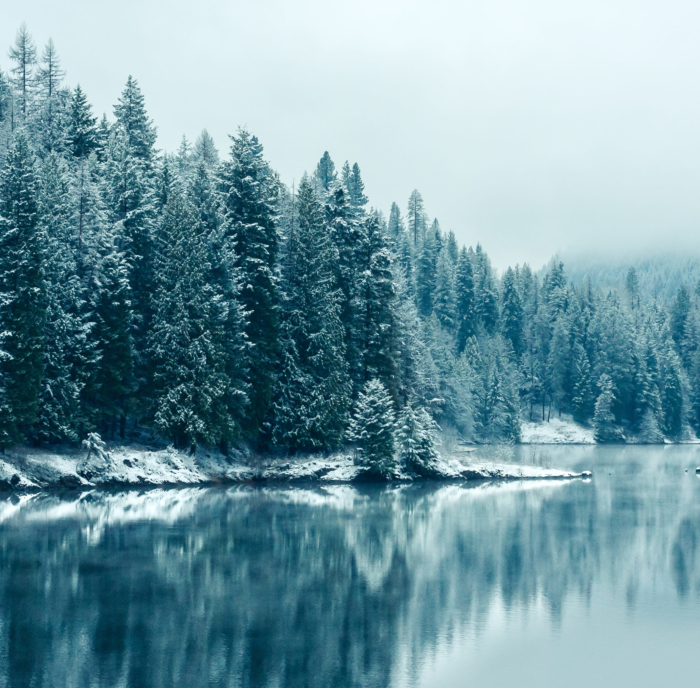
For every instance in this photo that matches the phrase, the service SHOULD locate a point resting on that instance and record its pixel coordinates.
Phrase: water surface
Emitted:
(581, 583)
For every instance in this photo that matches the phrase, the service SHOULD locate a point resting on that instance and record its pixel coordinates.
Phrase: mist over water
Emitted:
(510, 584)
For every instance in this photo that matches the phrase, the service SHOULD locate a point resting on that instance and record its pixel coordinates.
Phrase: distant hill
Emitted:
(659, 276)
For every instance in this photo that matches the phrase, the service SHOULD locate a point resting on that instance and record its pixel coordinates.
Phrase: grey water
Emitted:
(565, 583)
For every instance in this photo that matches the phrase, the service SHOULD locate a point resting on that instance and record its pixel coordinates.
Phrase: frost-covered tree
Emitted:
(604, 419)
(416, 439)
(23, 286)
(249, 192)
(466, 307)
(187, 341)
(372, 429)
(82, 126)
(312, 415)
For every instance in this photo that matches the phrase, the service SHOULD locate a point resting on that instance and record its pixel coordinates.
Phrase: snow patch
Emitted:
(557, 431)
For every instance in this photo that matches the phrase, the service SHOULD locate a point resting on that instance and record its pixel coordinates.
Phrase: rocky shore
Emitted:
(29, 469)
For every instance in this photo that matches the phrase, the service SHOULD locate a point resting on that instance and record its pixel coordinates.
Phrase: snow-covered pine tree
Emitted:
(131, 172)
(416, 217)
(486, 301)
(671, 392)
(325, 174)
(512, 312)
(313, 337)
(582, 400)
(416, 439)
(52, 103)
(466, 311)
(249, 192)
(356, 191)
(349, 237)
(375, 332)
(604, 419)
(82, 126)
(68, 354)
(109, 390)
(205, 150)
(426, 269)
(22, 283)
(444, 297)
(372, 429)
(187, 342)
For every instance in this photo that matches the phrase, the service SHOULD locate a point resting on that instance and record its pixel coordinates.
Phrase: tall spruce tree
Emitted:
(372, 429)
(249, 193)
(187, 342)
(314, 390)
(23, 286)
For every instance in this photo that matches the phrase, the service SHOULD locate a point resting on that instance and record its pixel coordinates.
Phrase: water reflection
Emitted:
(326, 587)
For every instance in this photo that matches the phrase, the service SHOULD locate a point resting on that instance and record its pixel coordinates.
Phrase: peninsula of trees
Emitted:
(205, 299)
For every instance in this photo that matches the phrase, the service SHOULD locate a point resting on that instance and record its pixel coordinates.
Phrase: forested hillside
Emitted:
(659, 275)
(201, 297)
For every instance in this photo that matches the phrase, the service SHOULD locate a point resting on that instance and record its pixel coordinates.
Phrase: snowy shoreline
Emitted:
(29, 469)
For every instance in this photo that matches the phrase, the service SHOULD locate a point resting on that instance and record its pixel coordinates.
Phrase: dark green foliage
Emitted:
(23, 290)
(187, 343)
(314, 390)
(466, 305)
(249, 198)
(512, 312)
(82, 129)
(372, 429)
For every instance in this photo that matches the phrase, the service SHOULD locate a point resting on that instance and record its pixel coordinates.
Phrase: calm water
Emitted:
(531, 584)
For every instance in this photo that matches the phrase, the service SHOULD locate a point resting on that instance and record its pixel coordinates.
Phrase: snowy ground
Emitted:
(557, 431)
(140, 465)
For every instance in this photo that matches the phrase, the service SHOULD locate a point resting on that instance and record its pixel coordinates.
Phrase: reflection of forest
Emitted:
(309, 587)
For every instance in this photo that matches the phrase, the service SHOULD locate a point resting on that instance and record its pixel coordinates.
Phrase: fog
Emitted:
(531, 128)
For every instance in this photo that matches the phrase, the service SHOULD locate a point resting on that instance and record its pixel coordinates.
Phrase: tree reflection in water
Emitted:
(312, 586)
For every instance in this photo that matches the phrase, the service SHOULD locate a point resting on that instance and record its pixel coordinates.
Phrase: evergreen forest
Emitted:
(195, 294)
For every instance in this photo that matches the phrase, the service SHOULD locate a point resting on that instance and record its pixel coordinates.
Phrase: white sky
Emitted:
(530, 126)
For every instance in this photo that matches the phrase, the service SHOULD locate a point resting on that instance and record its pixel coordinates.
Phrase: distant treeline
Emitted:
(208, 301)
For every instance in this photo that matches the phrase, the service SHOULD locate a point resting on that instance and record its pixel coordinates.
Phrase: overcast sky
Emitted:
(529, 126)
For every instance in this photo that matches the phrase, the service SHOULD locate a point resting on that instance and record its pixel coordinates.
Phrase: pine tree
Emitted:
(312, 336)
(444, 297)
(632, 287)
(582, 394)
(372, 429)
(486, 302)
(672, 393)
(187, 342)
(325, 172)
(68, 354)
(375, 327)
(356, 190)
(466, 313)
(426, 269)
(396, 225)
(131, 116)
(52, 116)
(23, 54)
(512, 312)
(249, 192)
(110, 388)
(205, 150)
(416, 440)
(416, 217)
(82, 129)
(604, 418)
(23, 285)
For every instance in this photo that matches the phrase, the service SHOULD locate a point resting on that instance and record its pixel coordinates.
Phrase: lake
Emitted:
(580, 583)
